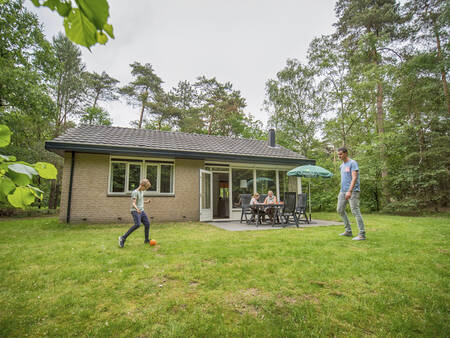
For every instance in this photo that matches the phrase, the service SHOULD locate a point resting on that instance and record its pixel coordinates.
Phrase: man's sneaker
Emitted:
(359, 238)
(347, 234)
(121, 242)
(146, 241)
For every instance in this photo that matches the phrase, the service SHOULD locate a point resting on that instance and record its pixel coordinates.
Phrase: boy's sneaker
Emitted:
(121, 242)
(146, 241)
(347, 234)
(359, 238)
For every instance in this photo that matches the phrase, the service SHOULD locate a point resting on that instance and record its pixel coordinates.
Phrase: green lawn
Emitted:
(62, 280)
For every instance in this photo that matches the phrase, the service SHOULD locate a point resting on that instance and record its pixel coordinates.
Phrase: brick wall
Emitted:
(91, 203)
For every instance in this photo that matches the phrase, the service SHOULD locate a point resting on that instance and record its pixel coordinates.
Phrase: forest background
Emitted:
(377, 85)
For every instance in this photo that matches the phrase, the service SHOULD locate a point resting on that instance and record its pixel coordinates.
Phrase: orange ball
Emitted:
(152, 242)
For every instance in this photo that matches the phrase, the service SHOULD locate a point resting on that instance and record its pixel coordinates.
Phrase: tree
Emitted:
(162, 113)
(296, 106)
(430, 21)
(68, 85)
(220, 107)
(96, 116)
(143, 89)
(84, 25)
(100, 87)
(327, 58)
(368, 28)
(185, 102)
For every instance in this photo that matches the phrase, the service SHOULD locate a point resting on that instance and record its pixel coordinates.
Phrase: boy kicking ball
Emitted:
(138, 213)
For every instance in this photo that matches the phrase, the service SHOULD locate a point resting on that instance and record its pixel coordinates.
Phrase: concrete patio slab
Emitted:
(237, 226)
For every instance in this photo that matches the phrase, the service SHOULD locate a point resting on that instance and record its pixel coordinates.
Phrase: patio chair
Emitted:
(289, 208)
(245, 204)
(302, 203)
(262, 213)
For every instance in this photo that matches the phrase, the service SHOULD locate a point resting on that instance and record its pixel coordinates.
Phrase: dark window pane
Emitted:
(206, 191)
(284, 186)
(152, 176)
(242, 184)
(134, 176)
(118, 177)
(266, 180)
(166, 178)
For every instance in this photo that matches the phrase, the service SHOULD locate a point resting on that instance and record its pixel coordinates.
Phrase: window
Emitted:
(152, 176)
(284, 186)
(266, 180)
(242, 181)
(134, 177)
(125, 176)
(166, 178)
(118, 177)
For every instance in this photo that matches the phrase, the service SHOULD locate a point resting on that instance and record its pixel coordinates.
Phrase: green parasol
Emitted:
(310, 171)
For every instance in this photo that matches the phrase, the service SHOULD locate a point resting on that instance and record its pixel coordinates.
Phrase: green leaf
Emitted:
(109, 30)
(7, 158)
(6, 185)
(79, 29)
(101, 38)
(46, 170)
(36, 3)
(52, 4)
(21, 197)
(38, 193)
(19, 179)
(64, 8)
(5, 135)
(96, 11)
(23, 169)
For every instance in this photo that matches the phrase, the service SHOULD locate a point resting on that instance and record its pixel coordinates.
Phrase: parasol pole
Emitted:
(309, 192)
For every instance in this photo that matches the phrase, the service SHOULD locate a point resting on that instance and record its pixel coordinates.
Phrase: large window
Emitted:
(118, 171)
(266, 180)
(283, 180)
(247, 181)
(242, 181)
(125, 176)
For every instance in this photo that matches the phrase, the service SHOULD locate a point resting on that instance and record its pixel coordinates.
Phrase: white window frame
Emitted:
(143, 164)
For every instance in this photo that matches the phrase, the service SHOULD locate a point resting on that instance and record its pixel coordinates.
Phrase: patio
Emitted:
(235, 225)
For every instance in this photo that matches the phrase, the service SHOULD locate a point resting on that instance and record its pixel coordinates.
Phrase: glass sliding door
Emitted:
(242, 182)
(206, 211)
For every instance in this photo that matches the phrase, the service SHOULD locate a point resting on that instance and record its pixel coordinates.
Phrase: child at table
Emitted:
(254, 198)
(253, 201)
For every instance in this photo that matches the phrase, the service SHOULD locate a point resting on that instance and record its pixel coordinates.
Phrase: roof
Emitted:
(144, 142)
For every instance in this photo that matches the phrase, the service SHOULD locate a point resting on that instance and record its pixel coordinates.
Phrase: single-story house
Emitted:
(194, 177)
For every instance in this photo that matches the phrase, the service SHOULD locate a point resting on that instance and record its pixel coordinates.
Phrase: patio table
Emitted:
(260, 207)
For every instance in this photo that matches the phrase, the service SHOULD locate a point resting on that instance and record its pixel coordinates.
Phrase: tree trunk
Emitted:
(443, 72)
(144, 101)
(52, 198)
(380, 129)
(141, 115)
(96, 99)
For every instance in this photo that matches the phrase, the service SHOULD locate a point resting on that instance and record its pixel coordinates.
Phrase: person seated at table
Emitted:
(270, 199)
(253, 201)
(254, 198)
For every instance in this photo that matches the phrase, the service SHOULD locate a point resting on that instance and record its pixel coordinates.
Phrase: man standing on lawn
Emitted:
(350, 193)
(138, 213)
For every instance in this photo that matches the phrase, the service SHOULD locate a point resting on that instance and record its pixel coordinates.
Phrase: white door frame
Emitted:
(206, 214)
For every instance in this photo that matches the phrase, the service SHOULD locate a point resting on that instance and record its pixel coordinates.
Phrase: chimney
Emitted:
(272, 138)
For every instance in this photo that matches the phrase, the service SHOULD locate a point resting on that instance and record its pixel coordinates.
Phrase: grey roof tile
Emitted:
(172, 141)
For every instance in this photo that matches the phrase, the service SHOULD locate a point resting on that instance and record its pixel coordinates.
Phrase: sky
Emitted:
(245, 42)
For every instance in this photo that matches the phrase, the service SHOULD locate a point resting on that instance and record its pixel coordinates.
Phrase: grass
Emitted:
(62, 280)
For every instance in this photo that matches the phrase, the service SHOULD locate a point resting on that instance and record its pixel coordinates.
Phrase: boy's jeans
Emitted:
(138, 219)
(354, 207)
